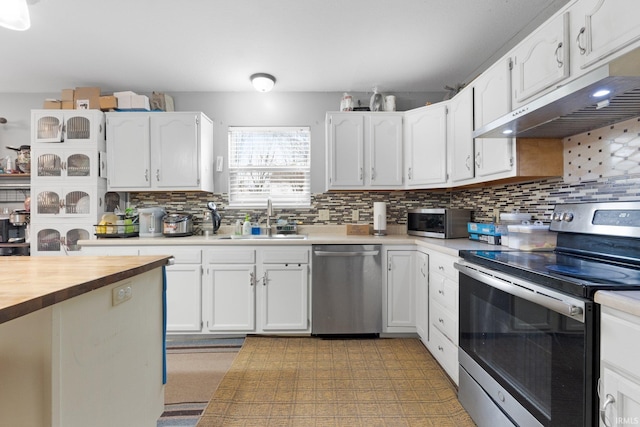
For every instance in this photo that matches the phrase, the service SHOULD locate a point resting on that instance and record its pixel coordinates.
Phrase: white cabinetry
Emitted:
(364, 150)
(443, 312)
(257, 290)
(421, 274)
(602, 30)
(67, 186)
(400, 291)
(541, 61)
(460, 140)
(184, 286)
(425, 157)
(491, 100)
(160, 151)
(619, 387)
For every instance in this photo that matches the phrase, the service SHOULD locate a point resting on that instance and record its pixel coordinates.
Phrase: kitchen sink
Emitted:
(264, 236)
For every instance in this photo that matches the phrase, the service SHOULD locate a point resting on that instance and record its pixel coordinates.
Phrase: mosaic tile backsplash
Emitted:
(602, 165)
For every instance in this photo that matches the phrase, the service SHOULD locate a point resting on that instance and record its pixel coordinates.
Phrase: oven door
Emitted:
(530, 349)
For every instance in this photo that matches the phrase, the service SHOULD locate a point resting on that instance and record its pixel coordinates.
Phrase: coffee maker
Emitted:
(13, 234)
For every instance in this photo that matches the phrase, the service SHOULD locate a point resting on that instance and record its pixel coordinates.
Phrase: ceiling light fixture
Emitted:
(263, 82)
(14, 15)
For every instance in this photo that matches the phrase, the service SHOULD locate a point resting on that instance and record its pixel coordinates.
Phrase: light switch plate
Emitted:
(355, 215)
(219, 162)
(323, 214)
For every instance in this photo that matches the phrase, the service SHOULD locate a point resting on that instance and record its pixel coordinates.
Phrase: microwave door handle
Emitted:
(566, 308)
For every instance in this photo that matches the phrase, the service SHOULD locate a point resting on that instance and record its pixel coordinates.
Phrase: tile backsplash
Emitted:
(603, 165)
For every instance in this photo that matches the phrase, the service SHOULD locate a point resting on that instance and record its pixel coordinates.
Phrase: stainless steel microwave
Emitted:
(440, 223)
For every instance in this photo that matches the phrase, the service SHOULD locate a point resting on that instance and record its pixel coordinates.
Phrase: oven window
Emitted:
(535, 353)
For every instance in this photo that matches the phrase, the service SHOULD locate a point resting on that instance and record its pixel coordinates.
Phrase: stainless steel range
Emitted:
(529, 329)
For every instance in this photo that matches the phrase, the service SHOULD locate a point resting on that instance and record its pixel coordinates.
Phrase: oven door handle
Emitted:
(526, 292)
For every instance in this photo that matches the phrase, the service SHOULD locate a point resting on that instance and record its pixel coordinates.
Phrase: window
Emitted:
(271, 162)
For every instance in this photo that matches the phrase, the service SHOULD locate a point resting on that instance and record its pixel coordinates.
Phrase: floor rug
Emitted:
(194, 370)
(316, 382)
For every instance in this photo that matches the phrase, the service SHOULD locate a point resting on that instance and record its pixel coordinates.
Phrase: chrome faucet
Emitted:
(269, 215)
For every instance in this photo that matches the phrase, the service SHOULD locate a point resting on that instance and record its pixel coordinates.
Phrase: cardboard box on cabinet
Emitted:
(87, 98)
(52, 104)
(108, 103)
(67, 95)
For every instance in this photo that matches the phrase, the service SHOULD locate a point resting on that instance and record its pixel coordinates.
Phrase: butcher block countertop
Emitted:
(28, 284)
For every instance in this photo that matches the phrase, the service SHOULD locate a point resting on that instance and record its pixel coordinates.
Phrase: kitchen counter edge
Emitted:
(626, 301)
(448, 246)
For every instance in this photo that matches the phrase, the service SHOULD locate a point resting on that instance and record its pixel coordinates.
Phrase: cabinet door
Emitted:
(619, 399)
(51, 165)
(184, 298)
(174, 151)
(46, 126)
(401, 289)
(422, 295)
(66, 201)
(542, 60)
(460, 140)
(601, 28)
(492, 94)
(231, 297)
(58, 239)
(284, 297)
(493, 156)
(385, 150)
(345, 150)
(426, 137)
(128, 152)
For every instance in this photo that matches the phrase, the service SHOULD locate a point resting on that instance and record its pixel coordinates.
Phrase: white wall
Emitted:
(226, 109)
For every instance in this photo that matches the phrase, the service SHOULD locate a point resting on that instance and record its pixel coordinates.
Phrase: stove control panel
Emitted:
(605, 218)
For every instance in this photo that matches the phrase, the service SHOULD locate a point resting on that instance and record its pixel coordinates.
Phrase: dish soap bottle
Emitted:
(238, 229)
(246, 227)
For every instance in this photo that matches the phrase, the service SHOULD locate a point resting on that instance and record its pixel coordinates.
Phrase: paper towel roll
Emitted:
(379, 217)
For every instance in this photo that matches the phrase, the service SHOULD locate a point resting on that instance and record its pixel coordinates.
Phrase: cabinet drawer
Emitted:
(620, 342)
(445, 321)
(230, 256)
(445, 352)
(284, 255)
(444, 291)
(181, 255)
(442, 264)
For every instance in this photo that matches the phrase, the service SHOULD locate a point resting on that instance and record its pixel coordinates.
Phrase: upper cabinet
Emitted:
(72, 127)
(602, 30)
(426, 146)
(460, 141)
(541, 60)
(364, 150)
(159, 152)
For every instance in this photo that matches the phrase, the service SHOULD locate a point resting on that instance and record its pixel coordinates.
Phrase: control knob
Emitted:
(567, 216)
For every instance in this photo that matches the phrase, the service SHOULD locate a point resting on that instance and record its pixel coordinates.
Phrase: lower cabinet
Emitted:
(400, 291)
(257, 290)
(184, 287)
(619, 386)
(443, 312)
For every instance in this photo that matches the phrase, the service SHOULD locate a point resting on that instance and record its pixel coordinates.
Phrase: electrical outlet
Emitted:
(323, 214)
(355, 215)
(121, 294)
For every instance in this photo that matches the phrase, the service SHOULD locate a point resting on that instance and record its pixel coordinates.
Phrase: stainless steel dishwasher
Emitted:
(347, 290)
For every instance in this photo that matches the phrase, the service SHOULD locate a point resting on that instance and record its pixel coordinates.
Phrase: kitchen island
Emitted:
(81, 341)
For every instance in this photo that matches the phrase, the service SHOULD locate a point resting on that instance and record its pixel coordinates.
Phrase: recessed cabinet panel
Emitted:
(460, 140)
(346, 150)
(175, 140)
(426, 146)
(128, 154)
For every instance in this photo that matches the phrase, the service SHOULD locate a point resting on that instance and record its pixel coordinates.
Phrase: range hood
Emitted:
(572, 109)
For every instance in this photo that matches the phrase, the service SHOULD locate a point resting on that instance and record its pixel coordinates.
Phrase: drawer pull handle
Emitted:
(440, 291)
(603, 412)
(441, 320)
(440, 348)
(441, 267)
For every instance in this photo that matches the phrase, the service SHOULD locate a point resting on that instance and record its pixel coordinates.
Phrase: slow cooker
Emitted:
(177, 225)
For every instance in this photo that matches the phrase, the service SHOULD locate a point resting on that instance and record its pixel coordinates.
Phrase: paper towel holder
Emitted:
(379, 219)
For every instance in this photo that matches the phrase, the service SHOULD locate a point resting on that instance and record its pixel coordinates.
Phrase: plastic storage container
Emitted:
(528, 237)
(513, 218)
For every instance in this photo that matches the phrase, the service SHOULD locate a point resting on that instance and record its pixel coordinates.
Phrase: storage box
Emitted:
(528, 237)
(68, 105)
(358, 229)
(128, 100)
(161, 102)
(86, 98)
(489, 229)
(140, 102)
(52, 104)
(492, 240)
(68, 95)
(108, 103)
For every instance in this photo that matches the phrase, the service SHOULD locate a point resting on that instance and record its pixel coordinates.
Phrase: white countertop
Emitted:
(449, 246)
(627, 301)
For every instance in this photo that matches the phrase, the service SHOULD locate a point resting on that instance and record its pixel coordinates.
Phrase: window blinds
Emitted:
(272, 162)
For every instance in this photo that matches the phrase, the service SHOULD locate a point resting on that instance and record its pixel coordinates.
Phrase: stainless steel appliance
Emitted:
(529, 329)
(13, 234)
(441, 223)
(151, 221)
(177, 225)
(347, 290)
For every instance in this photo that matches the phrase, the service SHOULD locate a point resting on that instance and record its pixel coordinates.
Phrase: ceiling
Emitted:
(309, 45)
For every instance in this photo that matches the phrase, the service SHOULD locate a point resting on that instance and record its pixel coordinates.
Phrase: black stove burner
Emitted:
(589, 273)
